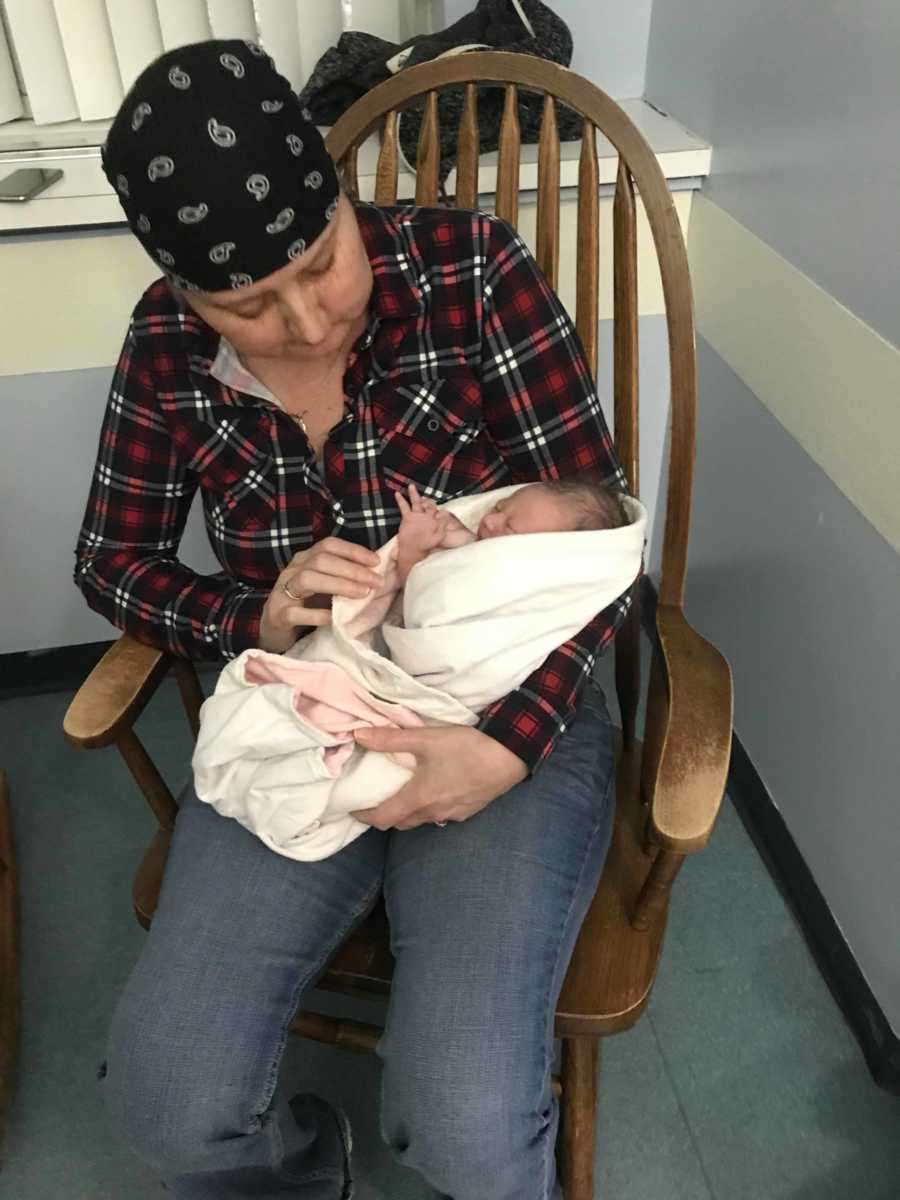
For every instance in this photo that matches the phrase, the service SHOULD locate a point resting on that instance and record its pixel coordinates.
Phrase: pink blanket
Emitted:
(326, 698)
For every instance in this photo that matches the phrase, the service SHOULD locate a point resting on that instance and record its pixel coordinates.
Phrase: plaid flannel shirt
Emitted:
(469, 376)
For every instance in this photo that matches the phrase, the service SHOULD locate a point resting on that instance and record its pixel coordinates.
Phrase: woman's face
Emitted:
(304, 310)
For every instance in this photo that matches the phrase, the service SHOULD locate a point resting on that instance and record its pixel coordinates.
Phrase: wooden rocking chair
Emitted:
(669, 789)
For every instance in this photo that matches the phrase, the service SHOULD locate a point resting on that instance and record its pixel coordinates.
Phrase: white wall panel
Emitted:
(374, 16)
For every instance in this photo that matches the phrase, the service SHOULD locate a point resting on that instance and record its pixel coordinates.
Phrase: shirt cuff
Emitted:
(524, 724)
(234, 625)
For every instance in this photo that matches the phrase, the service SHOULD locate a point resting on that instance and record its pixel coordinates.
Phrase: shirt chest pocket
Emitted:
(237, 482)
(433, 434)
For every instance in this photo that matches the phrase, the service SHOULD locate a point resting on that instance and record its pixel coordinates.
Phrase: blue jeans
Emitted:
(484, 915)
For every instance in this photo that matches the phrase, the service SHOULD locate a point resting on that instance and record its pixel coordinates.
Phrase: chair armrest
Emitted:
(114, 694)
(695, 745)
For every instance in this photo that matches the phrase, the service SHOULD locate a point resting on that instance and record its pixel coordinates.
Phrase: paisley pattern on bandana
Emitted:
(281, 222)
(214, 154)
(140, 115)
(232, 64)
(192, 215)
(160, 167)
(222, 252)
(258, 186)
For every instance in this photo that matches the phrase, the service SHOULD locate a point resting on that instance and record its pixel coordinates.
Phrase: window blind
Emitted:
(69, 60)
(11, 105)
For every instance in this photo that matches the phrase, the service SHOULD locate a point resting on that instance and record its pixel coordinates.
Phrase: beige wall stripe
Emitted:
(66, 300)
(831, 380)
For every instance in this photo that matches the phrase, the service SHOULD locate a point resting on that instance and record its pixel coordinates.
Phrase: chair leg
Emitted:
(578, 1107)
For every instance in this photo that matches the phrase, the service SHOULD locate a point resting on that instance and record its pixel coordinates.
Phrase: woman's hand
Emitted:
(459, 771)
(332, 567)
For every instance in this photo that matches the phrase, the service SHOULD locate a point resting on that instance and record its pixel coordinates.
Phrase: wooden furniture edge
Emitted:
(693, 769)
(115, 693)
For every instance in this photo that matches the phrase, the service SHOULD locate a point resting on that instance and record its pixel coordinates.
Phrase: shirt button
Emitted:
(434, 426)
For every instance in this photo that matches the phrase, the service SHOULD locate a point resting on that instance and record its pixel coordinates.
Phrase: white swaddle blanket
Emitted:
(476, 621)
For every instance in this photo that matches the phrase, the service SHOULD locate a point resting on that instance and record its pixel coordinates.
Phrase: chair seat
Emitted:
(613, 966)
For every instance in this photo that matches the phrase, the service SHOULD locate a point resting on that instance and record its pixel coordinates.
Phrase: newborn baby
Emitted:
(432, 647)
(556, 506)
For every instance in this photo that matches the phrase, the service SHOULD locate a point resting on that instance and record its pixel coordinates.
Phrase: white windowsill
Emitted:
(83, 197)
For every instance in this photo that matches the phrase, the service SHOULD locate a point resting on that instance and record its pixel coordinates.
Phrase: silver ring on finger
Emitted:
(287, 591)
(440, 824)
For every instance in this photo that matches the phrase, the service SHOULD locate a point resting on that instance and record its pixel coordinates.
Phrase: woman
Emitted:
(303, 360)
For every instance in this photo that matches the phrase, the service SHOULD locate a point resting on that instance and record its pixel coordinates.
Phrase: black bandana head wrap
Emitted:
(222, 176)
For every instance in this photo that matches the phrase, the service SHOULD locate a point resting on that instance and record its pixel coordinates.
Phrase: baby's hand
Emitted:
(422, 526)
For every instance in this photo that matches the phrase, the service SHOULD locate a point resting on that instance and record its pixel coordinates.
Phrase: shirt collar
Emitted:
(228, 369)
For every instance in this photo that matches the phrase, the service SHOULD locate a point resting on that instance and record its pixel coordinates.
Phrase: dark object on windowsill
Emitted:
(361, 60)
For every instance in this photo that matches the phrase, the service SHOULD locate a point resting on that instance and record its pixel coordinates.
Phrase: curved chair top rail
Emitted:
(596, 107)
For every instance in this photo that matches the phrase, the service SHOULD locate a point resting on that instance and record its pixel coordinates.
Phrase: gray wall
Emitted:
(51, 427)
(800, 104)
(801, 595)
(799, 591)
(610, 39)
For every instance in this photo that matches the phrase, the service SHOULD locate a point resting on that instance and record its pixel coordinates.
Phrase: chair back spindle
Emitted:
(625, 390)
(467, 152)
(428, 157)
(587, 292)
(387, 170)
(625, 327)
(508, 159)
(548, 194)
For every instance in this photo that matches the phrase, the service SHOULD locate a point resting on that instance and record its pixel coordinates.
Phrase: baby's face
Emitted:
(531, 509)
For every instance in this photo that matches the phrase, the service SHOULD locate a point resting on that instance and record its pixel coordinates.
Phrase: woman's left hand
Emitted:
(459, 770)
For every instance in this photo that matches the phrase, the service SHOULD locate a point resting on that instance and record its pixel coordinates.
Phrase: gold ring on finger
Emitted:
(287, 591)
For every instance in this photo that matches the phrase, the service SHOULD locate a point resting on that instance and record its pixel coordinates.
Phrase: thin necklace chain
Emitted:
(298, 416)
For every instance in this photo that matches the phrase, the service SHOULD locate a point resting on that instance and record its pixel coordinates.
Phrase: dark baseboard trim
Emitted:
(778, 850)
(833, 956)
(60, 669)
